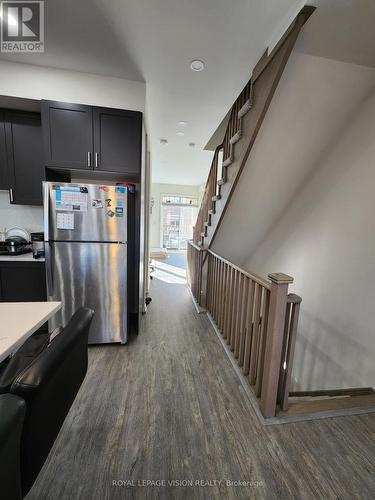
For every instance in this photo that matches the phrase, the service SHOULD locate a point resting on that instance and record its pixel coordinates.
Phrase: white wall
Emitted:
(31, 218)
(157, 191)
(304, 206)
(38, 82)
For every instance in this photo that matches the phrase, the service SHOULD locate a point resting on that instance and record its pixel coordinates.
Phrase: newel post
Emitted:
(274, 342)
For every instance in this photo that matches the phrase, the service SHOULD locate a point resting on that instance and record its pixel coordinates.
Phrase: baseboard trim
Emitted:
(198, 308)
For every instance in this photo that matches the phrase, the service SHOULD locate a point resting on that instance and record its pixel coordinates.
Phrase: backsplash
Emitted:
(28, 217)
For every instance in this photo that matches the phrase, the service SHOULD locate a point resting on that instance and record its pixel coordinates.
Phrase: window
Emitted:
(178, 215)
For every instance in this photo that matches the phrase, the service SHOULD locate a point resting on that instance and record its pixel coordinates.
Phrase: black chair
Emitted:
(49, 386)
(12, 412)
(23, 357)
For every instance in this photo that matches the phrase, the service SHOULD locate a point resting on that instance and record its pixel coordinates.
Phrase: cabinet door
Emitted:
(67, 135)
(23, 282)
(117, 141)
(3, 157)
(23, 136)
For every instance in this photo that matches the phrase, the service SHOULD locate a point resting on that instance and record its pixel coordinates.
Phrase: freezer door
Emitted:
(90, 275)
(84, 212)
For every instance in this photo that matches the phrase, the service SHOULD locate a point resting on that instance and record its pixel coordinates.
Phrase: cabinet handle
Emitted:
(96, 160)
(88, 158)
(11, 195)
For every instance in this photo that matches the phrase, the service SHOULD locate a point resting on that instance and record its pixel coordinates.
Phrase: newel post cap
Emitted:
(280, 278)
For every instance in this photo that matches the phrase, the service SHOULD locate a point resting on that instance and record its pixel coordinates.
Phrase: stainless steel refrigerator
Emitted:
(85, 232)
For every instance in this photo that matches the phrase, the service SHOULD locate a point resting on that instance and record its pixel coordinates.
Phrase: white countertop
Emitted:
(25, 257)
(19, 320)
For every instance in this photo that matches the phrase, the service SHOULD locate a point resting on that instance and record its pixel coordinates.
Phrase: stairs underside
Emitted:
(249, 118)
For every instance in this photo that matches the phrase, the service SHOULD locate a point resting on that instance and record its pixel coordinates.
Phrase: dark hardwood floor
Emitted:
(168, 406)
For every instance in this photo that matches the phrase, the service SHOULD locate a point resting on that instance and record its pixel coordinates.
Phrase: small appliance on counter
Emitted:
(14, 245)
(16, 242)
(37, 243)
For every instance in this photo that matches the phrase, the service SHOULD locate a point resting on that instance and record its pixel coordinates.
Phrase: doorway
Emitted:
(178, 215)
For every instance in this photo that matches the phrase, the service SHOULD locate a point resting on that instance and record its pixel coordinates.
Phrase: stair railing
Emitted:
(207, 200)
(212, 191)
(241, 105)
(195, 260)
(258, 320)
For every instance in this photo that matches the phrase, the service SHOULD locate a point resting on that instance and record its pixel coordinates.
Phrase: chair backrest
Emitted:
(49, 386)
(12, 412)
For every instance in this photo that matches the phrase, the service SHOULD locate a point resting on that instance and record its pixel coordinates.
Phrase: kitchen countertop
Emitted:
(25, 257)
(19, 320)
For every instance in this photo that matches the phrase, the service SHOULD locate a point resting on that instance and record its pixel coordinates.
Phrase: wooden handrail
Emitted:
(209, 193)
(257, 318)
(195, 258)
(233, 131)
(252, 276)
(196, 246)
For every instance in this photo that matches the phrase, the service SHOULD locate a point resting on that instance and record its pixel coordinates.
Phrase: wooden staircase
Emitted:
(255, 319)
(246, 117)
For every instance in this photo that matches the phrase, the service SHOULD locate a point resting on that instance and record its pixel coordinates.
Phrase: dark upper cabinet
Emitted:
(67, 135)
(23, 135)
(117, 140)
(83, 137)
(3, 157)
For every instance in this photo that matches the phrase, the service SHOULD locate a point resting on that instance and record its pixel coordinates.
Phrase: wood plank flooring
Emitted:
(168, 406)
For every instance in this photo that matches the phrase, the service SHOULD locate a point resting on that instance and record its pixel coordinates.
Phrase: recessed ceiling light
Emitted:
(163, 141)
(180, 134)
(197, 65)
(182, 124)
(191, 144)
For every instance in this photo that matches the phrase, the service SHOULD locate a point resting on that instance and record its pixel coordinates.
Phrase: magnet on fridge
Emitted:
(97, 203)
(83, 189)
(120, 189)
(119, 210)
(119, 202)
(110, 213)
(108, 202)
(104, 188)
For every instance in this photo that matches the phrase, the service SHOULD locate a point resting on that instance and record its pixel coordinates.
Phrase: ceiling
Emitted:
(155, 41)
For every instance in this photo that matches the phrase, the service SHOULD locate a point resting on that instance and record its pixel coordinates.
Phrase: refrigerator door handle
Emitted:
(49, 272)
